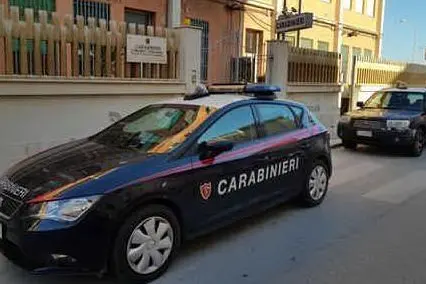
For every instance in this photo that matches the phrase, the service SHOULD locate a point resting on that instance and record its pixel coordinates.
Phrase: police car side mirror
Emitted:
(360, 104)
(212, 149)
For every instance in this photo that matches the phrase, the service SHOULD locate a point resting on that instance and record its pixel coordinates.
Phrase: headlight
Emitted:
(345, 119)
(398, 124)
(68, 210)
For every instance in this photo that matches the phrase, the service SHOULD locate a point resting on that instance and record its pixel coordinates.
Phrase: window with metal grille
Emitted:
(204, 46)
(139, 17)
(253, 41)
(347, 4)
(37, 5)
(359, 6)
(345, 61)
(368, 53)
(92, 9)
(323, 45)
(356, 51)
(306, 43)
(291, 40)
(370, 7)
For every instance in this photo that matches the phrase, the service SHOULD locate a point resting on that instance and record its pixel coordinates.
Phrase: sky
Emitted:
(405, 20)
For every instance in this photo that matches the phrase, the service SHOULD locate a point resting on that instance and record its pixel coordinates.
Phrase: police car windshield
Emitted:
(156, 128)
(396, 100)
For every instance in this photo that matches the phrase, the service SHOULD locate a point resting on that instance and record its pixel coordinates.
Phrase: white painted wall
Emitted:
(277, 65)
(31, 124)
(37, 113)
(322, 100)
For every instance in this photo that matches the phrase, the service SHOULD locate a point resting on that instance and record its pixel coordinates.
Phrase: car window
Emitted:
(313, 119)
(416, 101)
(396, 100)
(298, 112)
(236, 126)
(276, 119)
(156, 128)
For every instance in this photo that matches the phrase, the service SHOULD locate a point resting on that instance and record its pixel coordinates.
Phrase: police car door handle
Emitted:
(305, 145)
(264, 158)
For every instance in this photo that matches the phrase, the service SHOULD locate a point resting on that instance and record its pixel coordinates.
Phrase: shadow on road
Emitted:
(235, 231)
(12, 274)
(384, 152)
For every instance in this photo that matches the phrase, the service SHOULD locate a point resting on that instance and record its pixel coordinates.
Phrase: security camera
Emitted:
(352, 34)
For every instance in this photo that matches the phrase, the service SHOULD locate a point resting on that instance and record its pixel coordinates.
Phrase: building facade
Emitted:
(234, 32)
(352, 27)
(258, 27)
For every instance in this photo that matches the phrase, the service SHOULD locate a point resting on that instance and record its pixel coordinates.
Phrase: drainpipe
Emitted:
(239, 40)
(380, 39)
(339, 39)
(174, 13)
(298, 31)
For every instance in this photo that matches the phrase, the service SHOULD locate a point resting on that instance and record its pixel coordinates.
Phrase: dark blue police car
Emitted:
(391, 117)
(124, 199)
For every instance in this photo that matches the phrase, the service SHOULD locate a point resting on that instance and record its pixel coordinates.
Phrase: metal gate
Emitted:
(204, 47)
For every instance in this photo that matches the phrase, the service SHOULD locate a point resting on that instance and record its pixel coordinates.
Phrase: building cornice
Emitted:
(334, 24)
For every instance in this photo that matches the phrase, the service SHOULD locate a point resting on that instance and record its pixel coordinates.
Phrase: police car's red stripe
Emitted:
(165, 173)
(243, 152)
(246, 151)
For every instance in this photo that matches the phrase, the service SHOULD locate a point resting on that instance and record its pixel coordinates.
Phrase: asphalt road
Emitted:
(370, 229)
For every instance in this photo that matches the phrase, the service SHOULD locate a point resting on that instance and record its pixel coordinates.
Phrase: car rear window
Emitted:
(276, 119)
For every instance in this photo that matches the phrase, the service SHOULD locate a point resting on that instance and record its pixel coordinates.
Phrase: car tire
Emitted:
(349, 144)
(417, 147)
(146, 244)
(316, 185)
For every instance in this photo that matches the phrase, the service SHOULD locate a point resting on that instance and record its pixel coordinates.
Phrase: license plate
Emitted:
(364, 133)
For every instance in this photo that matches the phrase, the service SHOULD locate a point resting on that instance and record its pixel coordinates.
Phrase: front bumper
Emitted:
(383, 137)
(55, 247)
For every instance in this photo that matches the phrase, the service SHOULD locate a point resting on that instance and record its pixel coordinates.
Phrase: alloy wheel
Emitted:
(318, 182)
(419, 140)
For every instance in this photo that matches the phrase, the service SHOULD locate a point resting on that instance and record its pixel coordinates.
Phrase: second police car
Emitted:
(390, 117)
(124, 199)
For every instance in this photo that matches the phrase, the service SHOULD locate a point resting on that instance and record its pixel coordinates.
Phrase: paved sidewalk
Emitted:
(335, 143)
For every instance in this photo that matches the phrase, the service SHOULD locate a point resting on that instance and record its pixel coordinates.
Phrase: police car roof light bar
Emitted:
(199, 92)
(401, 85)
(226, 89)
(261, 88)
(262, 91)
(259, 91)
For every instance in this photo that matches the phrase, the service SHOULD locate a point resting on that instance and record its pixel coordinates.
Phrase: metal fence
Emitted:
(230, 64)
(204, 47)
(76, 49)
(313, 66)
(369, 71)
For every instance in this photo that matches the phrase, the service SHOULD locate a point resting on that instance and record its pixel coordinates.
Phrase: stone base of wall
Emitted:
(31, 122)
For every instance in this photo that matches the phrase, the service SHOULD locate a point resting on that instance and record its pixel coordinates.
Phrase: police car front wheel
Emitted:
(351, 145)
(418, 143)
(145, 244)
(316, 185)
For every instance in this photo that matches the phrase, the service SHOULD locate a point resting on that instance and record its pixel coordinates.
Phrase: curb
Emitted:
(336, 146)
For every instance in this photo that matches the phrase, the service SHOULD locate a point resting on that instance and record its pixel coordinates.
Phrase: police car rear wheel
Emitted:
(146, 244)
(316, 186)
(349, 144)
